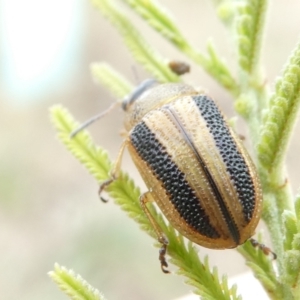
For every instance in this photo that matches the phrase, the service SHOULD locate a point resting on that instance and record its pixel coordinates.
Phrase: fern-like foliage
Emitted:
(262, 268)
(250, 21)
(143, 52)
(282, 111)
(107, 76)
(271, 118)
(74, 285)
(94, 158)
(292, 248)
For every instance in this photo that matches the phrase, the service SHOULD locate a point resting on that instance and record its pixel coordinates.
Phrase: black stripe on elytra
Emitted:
(233, 229)
(234, 161)
(182, 196)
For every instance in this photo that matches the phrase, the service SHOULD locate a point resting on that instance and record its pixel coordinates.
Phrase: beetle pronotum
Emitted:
(195, 167)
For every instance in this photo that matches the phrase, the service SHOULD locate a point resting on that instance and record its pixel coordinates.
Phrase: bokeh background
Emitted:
(49, 207)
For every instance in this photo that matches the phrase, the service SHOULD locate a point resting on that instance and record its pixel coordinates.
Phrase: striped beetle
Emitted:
(195, 167)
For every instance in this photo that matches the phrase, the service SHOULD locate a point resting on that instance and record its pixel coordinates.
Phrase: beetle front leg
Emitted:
(144, 198)
(114, 173)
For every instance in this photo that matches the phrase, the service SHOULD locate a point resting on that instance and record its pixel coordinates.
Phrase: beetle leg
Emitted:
(144, 198)
(114, 173)
(266, 250)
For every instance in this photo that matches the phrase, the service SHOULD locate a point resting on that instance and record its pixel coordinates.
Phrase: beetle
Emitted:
(195, 167)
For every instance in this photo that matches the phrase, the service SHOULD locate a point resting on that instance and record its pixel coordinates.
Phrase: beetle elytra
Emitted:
(195, 167)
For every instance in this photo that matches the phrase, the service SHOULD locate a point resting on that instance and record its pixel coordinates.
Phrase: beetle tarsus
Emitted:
(102, 187)
(266, 250)
(104, 200)
(144, 198)
(162, 259)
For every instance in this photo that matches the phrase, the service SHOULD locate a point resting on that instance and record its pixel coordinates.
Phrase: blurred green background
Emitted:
(49, 207)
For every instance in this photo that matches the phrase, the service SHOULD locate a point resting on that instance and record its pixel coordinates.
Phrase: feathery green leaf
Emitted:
(280, 118)
(290, 228)
(93, 158)
(160, 19)
(163, 23)
(111, 79)
(74, 285)
(250, 20)
(292, 265)
(261, 266)
(142, 51)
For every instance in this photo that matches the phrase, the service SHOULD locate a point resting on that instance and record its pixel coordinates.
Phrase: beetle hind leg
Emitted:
(144, 199)
(266, 250)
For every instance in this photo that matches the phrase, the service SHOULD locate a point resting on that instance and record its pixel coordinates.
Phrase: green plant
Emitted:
(270, 116)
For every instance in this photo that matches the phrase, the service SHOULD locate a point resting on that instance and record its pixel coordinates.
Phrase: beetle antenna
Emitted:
(93, 119)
